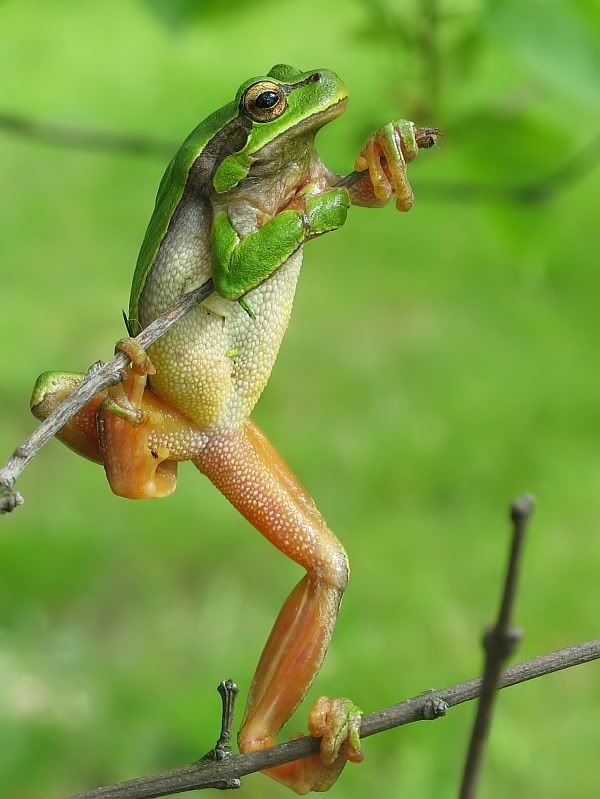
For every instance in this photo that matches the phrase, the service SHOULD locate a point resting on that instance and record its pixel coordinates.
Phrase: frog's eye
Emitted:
(264, 101)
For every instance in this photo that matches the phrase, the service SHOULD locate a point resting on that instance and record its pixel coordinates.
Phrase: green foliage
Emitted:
(413, 412)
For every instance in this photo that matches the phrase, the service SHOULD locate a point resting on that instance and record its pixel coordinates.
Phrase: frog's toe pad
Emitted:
(337, 723)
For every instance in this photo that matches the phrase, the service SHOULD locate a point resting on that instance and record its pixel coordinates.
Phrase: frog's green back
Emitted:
(170, 192)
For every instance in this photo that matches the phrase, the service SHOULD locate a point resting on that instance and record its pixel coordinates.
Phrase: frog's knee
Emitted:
(50, 389)
(335, 571)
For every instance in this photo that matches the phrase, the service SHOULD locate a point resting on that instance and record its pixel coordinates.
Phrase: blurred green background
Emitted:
(413, 412)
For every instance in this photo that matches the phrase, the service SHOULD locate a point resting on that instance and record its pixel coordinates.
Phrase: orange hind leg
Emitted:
(251, 474)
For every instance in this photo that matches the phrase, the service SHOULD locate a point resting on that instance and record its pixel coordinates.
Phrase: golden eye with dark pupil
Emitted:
(264, 101)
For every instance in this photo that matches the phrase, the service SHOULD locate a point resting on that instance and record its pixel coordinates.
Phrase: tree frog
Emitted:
(237, 202)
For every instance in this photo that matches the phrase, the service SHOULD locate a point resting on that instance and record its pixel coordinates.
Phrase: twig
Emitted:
(541, 190)
(98, 377)
(432, 704)
(499, 643)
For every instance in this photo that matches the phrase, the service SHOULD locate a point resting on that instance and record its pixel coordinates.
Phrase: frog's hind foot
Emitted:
(337, 723)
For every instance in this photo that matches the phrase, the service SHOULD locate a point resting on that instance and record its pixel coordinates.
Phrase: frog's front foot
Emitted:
(385, 155)
(337, 723)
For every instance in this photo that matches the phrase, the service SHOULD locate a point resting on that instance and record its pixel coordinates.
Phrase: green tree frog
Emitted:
(237, 202)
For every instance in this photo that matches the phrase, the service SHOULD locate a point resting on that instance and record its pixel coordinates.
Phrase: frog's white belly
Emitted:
(214, 364)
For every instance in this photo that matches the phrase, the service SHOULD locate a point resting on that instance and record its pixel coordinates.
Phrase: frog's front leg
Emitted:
(241, 264)
(250, 473)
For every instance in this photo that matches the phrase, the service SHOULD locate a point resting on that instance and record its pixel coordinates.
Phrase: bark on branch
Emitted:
(427, 706)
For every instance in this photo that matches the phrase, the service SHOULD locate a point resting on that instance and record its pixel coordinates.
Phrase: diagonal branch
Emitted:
(99, 377)
(427, 706)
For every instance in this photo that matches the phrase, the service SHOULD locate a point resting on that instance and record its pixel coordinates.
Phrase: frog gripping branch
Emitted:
(236, 204)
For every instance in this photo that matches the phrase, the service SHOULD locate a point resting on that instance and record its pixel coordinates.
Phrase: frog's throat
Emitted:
(235, 167)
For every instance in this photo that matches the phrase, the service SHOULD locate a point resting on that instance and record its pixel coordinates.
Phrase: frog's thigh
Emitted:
(255, 479)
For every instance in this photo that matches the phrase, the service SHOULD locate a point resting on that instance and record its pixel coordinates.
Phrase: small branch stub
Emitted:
(228, 692)
(9, 500)
(434, 708)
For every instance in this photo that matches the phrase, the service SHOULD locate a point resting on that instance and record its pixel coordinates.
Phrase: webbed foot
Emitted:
(337, 723)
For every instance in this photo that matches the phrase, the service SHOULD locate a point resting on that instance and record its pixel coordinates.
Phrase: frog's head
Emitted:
(284, 105)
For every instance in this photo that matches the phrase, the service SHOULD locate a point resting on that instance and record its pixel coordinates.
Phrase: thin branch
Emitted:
(98, 377)
(499, 643)
(538, 191)
(424, 707)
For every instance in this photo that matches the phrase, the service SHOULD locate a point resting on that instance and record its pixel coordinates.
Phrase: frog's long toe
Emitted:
(337, 723)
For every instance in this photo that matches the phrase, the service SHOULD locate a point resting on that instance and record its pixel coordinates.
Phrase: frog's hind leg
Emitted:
(136, 436)
(141, 436)
(251, 474)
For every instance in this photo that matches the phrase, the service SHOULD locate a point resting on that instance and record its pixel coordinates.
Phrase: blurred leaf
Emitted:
(554, 38)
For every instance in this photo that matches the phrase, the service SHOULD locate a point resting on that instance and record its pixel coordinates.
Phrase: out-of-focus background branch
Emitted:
(436, 363)
(575, 167)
